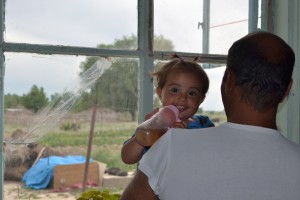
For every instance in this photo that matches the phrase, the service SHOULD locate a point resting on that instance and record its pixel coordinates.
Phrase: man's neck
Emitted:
(249, 116)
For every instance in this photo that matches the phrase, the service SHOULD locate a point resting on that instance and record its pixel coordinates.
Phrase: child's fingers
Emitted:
(181, 124)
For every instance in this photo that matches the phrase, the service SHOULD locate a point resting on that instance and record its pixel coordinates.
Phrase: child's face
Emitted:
(183, 90)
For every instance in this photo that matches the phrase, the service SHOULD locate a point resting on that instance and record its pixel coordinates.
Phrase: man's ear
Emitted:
(287, 91)
(230, 81)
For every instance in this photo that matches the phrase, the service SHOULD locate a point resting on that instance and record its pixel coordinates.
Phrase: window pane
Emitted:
(116, 103)
(213, 100)
(67, 22)
(53, 73)
(177, 21)
(229, 22)
(180, 22)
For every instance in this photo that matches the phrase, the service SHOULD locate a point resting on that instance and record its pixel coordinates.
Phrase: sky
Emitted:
(92, 22)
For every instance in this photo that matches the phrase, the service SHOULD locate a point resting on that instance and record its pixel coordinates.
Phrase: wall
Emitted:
(286, 25)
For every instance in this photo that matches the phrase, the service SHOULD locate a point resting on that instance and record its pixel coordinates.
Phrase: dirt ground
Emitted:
(14, 190)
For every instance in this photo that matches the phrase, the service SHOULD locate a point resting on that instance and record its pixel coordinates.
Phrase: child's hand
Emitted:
(181, 124)
(149, 115)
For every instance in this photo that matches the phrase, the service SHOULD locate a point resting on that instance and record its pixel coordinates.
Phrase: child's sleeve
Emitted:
(200, 121)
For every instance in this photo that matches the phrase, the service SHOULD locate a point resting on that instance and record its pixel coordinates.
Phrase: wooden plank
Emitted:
(69, 175)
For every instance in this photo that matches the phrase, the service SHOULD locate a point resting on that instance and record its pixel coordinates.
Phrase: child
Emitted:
(183, 84)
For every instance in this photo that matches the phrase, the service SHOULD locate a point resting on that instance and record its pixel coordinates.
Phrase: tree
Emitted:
(85, 102)
(162, 44)
(12, 101)
(117, 88)
(35, 99)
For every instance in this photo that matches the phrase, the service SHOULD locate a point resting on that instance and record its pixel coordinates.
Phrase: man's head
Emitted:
(262, 64)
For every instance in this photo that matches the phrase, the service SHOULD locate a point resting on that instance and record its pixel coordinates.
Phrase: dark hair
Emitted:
(179, 65)
(263, 71)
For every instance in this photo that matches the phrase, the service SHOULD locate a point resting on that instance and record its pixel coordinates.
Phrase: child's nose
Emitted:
(182, 96)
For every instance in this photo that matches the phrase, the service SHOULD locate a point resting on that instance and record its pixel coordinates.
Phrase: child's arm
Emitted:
(132, 151)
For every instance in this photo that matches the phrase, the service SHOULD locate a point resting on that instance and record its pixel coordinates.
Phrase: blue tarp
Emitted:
(40, 175)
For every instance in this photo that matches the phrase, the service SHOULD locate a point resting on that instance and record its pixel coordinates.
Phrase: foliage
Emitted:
(12, 101)
(162, 44)
(126, 42)
(69, 126)
(83, 103)
(98, 195)
(35, 99)
(117, 89)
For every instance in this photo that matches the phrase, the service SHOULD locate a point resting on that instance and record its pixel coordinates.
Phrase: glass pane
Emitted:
(62, 124)
(180, 22)
(67, 22)
(213, 100)
(177, 21)
(228, 22)
(23, 70)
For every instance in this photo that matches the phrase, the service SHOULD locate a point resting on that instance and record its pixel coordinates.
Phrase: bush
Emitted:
(98, 195)
(69, 126)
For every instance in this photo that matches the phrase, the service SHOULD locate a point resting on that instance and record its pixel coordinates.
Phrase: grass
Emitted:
(107, 141)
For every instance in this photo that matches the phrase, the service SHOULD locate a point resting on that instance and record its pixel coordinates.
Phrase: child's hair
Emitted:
(179, 65)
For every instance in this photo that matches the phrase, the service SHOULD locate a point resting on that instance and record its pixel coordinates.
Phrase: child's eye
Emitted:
(193, 93)
(174, 90)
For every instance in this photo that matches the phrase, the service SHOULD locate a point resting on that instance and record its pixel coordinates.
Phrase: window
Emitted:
(48, 43)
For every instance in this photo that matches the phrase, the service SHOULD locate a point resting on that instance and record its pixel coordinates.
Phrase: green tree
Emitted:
(35, 99)
(118, 86)
(162, 44)
(84, 103)
(12, 101)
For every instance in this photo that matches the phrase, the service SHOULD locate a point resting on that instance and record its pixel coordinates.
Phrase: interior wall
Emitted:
(286, 19)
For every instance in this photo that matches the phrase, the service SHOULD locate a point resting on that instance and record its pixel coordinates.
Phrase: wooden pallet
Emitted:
(71, 175)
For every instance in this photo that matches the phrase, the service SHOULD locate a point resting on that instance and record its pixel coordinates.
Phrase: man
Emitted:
(245, 158)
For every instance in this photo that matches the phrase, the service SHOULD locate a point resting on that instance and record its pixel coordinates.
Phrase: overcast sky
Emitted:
(92, 22)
